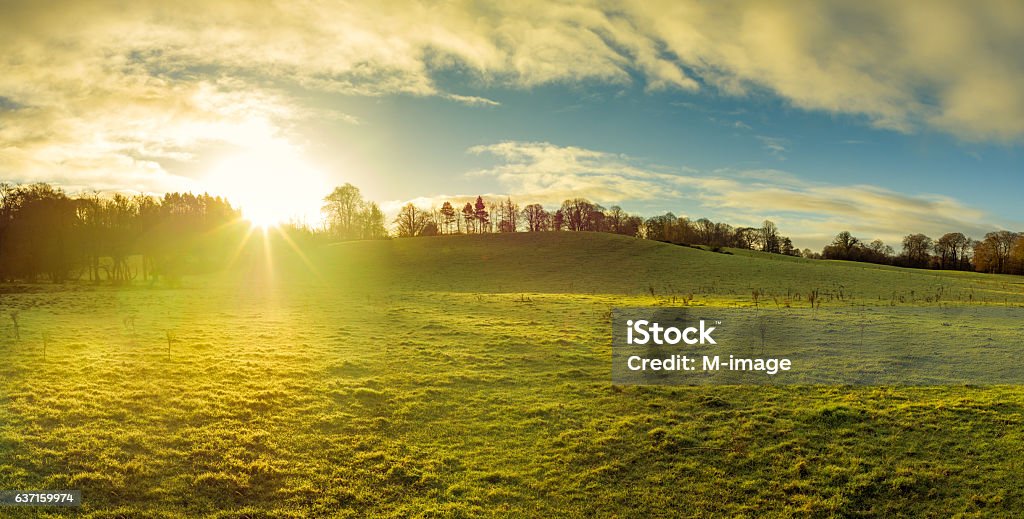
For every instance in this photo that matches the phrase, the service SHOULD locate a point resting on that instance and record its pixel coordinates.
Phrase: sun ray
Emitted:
(241, 246)
(299, 252)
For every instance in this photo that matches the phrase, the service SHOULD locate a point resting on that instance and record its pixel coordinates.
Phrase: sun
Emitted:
(271, 185)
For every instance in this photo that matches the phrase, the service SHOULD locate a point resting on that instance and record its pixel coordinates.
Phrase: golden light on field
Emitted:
(271, 185)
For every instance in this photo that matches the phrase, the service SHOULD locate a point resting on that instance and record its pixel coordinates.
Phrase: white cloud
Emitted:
(472, 100)
(104, 85)
(549, 174)
(952, 66)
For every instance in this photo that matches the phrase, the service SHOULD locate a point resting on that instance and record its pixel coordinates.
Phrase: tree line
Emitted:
(580, 214)
(44, 232)
(998, 252)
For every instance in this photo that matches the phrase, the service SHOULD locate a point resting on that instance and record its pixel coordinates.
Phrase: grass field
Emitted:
(470, 375)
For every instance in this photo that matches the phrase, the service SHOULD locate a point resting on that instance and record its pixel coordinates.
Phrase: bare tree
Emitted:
(992, 254)
(787, 247)
(878, 252)
(916, 249)
(371, 218)
(482, 216)
(342, 211)
(843, 247)
(469, 216)
(747, 238)
(448, 217)
(509, 219)
(1016, 261)
(770, 237)
(580, 214)
(705, 231)
(615, 218)
(948, 249)
(412, 221)
(536, 217)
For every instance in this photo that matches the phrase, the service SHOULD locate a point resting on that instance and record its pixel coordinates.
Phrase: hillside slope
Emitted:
(605, 263)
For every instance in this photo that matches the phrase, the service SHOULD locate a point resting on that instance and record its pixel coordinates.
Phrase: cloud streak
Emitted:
(775, 146)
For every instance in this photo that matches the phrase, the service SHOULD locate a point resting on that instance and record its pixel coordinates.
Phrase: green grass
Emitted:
(470, 375)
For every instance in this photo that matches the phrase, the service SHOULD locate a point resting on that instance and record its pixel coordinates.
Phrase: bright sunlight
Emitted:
(272, 185)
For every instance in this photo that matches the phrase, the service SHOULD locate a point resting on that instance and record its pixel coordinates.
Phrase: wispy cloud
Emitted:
(472, 100)
(550, 174)
(775, 146)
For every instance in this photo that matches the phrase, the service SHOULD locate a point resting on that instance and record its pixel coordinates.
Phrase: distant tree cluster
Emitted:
(846, 246)
(46, 233)
(716, 235)
(580, 214)
(504, 216)
(999, 252)
(347, 216)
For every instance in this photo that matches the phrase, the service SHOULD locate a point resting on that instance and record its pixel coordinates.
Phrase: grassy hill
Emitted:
(599, 263)
(469, 376)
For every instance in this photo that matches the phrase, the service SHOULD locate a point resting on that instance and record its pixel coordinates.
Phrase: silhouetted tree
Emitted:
(916, 250)
(508, 216)
(843, 247)
(1016, 260)
(746, 238)
(787, 247)
(429, 229)
(660, 228)
(371, 218)
(448, 217)
(482, 216)
(558, 220)
(770, 237)
(342, 212)
(469, 215)
(537, 219)
(580, 214)
(705, 230)
(412, 221)
(992, 254)
(875, 252)
(615, 218)
(948, 249)
(630, 226)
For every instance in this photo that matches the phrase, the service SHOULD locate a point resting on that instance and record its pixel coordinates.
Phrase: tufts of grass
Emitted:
(462, 376)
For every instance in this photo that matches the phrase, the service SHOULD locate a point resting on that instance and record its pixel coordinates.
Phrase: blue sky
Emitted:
(699, 134)
(878, 118)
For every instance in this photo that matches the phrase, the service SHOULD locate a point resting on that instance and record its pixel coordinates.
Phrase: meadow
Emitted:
(467, 376)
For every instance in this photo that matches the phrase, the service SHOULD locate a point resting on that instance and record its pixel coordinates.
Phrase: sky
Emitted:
(882, 118)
